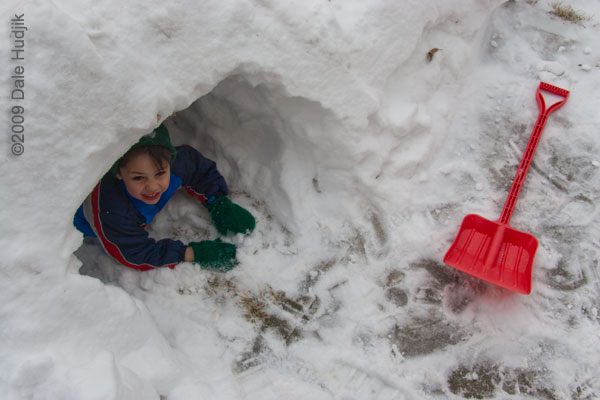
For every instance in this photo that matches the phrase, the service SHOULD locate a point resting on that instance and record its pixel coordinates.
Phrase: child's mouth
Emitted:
(151, 197)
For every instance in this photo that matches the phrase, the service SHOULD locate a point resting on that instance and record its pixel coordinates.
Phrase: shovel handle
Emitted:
(517, 184)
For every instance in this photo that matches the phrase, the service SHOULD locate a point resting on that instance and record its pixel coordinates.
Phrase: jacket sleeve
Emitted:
(199, 175)
(125, 239)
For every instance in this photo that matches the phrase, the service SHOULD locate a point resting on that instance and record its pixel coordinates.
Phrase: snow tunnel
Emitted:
(285, 158)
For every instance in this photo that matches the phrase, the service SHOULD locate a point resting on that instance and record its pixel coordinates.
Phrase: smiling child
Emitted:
(139, 185)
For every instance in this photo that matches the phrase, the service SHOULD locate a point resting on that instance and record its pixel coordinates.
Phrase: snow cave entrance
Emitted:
(267, 144)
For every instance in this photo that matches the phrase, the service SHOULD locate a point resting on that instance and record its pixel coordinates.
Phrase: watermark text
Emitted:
(17, 89)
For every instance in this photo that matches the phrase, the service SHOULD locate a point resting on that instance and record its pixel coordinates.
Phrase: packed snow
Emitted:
(359, 134)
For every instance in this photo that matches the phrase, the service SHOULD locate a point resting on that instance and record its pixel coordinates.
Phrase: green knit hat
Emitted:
(158, 137)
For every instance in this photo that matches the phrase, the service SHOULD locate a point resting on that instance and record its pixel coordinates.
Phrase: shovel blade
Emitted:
(494, 252)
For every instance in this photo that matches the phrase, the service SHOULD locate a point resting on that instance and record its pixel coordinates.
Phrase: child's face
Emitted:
(143, 180)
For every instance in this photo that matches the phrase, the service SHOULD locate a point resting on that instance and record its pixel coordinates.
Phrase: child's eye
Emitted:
(138, 178)
(161, 173)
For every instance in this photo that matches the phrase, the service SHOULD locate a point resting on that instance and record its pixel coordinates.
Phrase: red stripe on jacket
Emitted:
(109, 246)
(195, 194)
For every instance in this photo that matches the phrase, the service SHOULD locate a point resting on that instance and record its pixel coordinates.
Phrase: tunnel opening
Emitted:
(282, 157)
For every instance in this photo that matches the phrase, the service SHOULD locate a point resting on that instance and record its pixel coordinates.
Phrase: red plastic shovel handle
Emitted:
(517, 184)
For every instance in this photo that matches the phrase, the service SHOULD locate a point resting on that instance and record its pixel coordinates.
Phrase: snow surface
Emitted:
(358, 154)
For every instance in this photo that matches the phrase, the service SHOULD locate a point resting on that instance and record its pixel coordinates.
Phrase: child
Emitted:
(139, 185)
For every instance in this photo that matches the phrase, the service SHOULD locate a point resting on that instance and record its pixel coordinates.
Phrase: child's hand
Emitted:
(214, 254)
(228, 216)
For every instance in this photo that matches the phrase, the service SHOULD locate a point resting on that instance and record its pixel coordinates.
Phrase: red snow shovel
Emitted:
(493, 250)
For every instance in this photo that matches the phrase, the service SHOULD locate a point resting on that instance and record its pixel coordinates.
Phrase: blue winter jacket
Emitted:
(118, 220)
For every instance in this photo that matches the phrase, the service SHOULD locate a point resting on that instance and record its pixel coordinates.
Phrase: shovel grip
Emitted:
(515, 189)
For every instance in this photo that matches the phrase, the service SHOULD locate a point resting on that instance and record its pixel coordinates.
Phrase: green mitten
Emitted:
(214, 254)
(228, 216)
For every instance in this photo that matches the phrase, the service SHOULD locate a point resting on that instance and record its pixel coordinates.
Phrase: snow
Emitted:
(358, 149)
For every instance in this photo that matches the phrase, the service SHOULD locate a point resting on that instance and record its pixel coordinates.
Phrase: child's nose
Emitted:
(154, 185)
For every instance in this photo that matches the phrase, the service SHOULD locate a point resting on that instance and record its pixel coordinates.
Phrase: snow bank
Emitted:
(331, 124)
